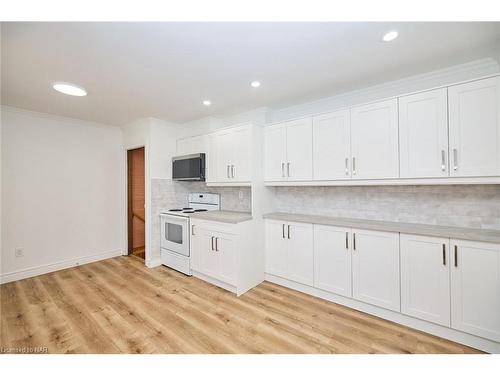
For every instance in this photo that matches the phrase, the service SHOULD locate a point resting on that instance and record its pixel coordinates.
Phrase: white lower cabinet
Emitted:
(289, 251)
(332, 259)
(226, 255)
(216, 255)
(425, 278)
(449, 282)
(475, 288)
(375, 268)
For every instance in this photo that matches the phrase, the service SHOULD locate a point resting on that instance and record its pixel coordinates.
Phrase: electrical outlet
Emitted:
(19, 251)
(240, 194)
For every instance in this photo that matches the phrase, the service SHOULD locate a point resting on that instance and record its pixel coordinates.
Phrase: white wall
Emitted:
(61, 192)
(159, 139)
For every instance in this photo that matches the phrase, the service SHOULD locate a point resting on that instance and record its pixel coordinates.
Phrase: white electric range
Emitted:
(175, 230)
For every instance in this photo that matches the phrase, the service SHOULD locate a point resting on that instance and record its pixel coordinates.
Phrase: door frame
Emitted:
(147, 201)
(129, 209)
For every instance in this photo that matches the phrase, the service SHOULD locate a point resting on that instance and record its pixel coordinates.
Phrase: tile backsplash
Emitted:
(476, 206)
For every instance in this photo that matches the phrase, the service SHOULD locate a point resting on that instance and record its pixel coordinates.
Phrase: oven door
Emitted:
(174, 234)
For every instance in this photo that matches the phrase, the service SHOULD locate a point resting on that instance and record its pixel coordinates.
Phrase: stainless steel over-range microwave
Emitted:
(188, 167)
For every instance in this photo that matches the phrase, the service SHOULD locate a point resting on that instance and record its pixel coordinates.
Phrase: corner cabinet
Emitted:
(225, 254)
(230, 153)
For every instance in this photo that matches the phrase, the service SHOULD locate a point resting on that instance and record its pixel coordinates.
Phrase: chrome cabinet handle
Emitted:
(283, 230)
(288, 169)
(192, 229)
(456, 256)
(216, 244)
(166, 231)
(444, 255)
(288, 231)
(347, 240)
(227, 171)
(232, 171)
(347, 166)
(282, 169)
(212, 243)
(455, 159)
(353, 165)
(354, 241)
(443, 161)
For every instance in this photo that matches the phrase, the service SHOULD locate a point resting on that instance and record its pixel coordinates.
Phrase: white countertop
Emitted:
(472, 234)
(231, 217)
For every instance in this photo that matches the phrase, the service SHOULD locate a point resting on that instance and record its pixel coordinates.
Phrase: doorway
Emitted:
(136, 202)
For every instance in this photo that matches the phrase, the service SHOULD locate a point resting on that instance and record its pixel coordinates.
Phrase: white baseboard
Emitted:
(434, 329)
(47, 268)
(153, 263)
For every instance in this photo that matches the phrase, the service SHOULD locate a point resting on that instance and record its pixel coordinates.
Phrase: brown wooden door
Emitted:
(136, 201)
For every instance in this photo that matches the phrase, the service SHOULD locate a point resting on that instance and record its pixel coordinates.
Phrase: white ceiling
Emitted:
(165, 70)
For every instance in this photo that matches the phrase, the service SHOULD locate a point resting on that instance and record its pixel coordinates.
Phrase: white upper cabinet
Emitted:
(475, 288)
(288, 151)
(332, 146)
(230, 155)
(275, 153)
(474, 110)
(242, 151)
(423, 134)
(332, 259)
(425, 278)
(375, 268)
(299, 150)
(374, 140)
(224, 156)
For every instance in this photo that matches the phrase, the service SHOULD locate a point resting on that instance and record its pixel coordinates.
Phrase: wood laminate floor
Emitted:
(120, 306)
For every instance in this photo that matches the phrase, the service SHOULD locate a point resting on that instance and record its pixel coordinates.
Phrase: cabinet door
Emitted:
(299, 150)
(225, 250)
(195, 246)
(276, 248)
(274, 152)
(209, 260)
(331, 146)
(242, 155)
(425, 278)
(375, 268)
(332, 259)
(211, 159)
(224, 156)
(423, 134)
(374, 140)
(475, 288)
(474, 110)
(300, 266)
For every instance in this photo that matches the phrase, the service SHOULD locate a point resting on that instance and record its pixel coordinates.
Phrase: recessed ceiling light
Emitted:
(255, 84)
(207, 102)
(69, 89)
(390, 36)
